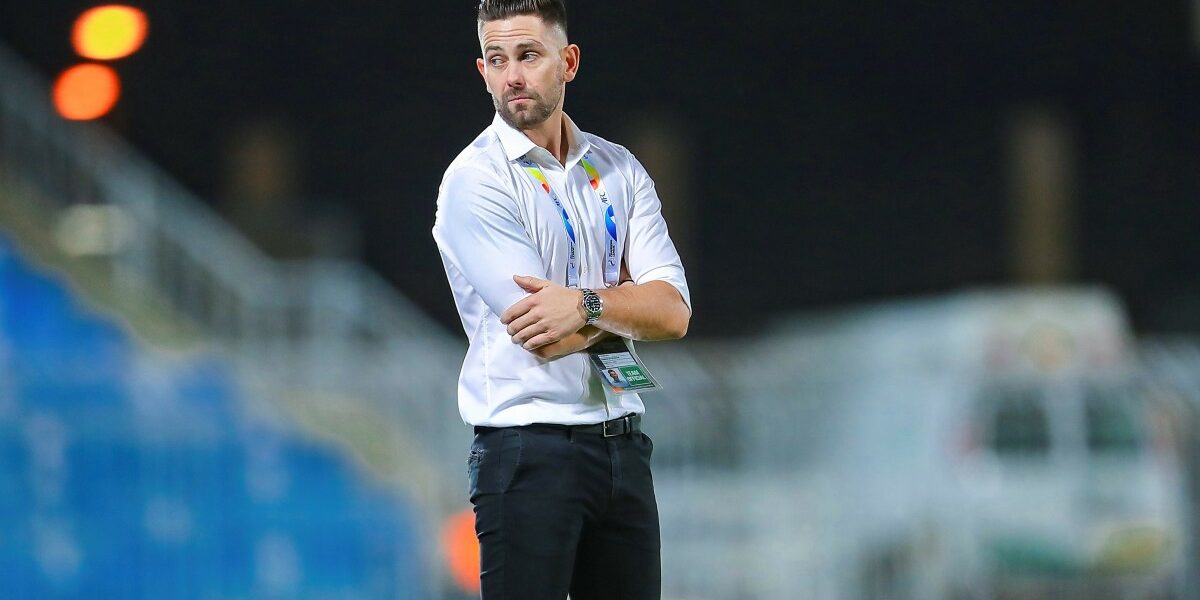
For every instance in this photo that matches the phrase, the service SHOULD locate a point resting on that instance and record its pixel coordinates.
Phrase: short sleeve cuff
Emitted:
(673, 276)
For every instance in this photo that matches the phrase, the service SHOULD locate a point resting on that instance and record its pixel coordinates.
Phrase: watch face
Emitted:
(591, 303)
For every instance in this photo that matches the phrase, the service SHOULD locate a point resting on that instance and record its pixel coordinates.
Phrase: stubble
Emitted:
(535, 115)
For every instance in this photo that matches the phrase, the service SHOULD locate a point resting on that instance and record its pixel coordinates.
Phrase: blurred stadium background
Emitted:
(947, 340)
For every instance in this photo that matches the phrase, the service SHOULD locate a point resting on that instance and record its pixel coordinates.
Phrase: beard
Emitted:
(529, 117)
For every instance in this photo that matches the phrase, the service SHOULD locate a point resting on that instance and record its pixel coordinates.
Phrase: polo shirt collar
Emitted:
(516, 144)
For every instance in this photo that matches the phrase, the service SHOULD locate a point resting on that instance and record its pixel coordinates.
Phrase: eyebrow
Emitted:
(520, 46)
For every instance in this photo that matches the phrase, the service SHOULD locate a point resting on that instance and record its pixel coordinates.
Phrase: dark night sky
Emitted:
(840, 151)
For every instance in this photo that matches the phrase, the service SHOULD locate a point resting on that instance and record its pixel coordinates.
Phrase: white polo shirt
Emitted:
(495, 221)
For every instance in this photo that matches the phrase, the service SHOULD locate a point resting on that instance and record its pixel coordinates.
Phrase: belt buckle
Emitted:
(618, 431)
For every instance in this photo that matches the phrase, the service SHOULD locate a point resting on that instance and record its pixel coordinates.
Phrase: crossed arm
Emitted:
(551, 322)
(481, 233)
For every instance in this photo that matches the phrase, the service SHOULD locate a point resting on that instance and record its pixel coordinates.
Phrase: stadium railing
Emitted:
(310, 325)
(328, 341)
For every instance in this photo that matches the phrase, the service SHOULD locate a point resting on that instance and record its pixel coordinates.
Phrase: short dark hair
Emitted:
(553, 12)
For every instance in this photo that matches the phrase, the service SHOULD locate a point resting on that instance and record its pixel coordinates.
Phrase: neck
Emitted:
(551, 134)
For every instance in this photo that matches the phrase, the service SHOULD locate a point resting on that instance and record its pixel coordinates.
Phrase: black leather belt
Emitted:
(610, 428)
(613, 427)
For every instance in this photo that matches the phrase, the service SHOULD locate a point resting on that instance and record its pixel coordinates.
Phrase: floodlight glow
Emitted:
(85, 92)
(109, 32)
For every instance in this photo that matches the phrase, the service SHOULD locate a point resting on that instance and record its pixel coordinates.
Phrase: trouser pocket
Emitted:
(493, 461)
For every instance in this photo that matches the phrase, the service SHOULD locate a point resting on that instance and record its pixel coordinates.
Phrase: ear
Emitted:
(481, 66)
(570, 55)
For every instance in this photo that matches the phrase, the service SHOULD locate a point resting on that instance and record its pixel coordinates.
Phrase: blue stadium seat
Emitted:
(149, 490)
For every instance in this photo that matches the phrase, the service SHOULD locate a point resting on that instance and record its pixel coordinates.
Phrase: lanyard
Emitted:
(612, 263)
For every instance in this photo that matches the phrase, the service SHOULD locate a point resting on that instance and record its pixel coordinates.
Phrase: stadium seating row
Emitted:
(126, 473)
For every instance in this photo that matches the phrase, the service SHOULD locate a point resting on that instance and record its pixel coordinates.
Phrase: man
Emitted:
(615, 378)
(554, 243)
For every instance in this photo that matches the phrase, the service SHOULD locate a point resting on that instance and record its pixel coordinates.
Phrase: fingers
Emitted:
(532, 331)
(521, 322)
(516, 310)
(551, 310)
(529, 283)
(538, 341)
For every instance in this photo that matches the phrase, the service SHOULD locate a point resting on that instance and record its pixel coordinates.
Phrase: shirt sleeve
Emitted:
(480, 231)
(649, 252)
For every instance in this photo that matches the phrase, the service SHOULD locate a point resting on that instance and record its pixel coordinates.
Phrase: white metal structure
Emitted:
(989, 442)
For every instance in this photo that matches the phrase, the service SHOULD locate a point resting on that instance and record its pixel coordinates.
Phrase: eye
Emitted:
(529, 56)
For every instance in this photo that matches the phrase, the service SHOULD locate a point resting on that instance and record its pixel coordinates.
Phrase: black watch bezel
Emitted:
(593, 306)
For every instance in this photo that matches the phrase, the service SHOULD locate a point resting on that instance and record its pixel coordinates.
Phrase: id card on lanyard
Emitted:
(620, 368)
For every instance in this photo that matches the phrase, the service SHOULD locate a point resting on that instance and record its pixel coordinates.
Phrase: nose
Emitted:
(514, 76)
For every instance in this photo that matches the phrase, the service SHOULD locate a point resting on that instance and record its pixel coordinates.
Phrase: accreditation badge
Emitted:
(620, 368)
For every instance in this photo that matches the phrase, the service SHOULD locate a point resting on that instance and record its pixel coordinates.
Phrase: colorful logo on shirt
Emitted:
(592, 173)
(537, 174)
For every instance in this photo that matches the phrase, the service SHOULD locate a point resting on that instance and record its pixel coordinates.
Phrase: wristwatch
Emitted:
(593, 305)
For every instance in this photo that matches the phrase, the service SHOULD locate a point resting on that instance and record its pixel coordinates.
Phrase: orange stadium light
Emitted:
(109, 32)
(87, 91)
(462, 550)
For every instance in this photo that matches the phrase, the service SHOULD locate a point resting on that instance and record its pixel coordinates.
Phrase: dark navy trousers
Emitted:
(559, 511)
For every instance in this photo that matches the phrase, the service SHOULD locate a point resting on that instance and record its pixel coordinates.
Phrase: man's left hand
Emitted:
(550, 314)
